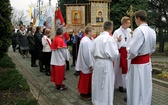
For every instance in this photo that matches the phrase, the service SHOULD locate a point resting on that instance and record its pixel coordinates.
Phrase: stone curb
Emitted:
(158, 81)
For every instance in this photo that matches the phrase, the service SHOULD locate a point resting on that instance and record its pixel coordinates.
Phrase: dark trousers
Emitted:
(46, 61)
(67, 65)
(39, 56)
(14, 46)
(19, 49)
(33, 57)
(74, 52)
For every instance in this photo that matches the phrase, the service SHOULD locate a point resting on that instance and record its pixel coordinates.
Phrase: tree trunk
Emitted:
(161, 40)
(161, 36)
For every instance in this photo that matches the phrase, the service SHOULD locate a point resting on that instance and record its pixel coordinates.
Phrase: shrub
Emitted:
(11, 79)
(5, 26)
(6, 62)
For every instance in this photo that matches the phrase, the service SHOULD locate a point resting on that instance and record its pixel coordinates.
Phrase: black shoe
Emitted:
(121, 89)
(34, 65)
(73, 65)
(63, 87)
(85, 97)
(125, 99)
(42, 70)
(77, 73)
(67, 68)
(48, 74)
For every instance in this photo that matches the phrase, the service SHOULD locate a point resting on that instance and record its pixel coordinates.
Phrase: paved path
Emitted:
(159, 58)
(50, 96)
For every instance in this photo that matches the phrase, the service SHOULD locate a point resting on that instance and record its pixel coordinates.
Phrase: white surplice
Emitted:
(139, 77)
(85, 59)
(104, 50)
(59, 56)
(126, 36)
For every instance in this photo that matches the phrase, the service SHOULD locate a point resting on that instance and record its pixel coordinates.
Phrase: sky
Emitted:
(24, 4)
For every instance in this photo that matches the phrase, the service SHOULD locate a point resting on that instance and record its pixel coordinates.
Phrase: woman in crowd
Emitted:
(46, 42)
(38, 42)
(23, 41)
(32, 46)
(13, 38)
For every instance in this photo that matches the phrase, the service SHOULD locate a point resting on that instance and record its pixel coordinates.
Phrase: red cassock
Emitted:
(57, 71)
(57, 74)
(84, 85)
(123, 60)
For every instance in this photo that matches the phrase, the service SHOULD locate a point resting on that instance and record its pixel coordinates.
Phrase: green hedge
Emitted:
(6, 62)
(5, 26)
(11, 79)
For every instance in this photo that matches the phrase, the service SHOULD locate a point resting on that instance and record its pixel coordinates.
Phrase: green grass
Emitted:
(14, 89)
(11, 79)
(6, 62)
(27, 102)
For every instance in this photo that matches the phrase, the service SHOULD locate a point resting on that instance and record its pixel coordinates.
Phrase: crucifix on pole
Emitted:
(130, 14)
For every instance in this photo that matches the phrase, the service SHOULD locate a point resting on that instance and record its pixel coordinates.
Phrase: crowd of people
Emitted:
(121, 60)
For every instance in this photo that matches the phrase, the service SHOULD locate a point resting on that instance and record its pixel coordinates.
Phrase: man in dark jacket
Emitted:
(13, 37)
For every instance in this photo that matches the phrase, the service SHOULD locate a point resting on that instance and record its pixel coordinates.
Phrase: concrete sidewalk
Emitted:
(50, 96)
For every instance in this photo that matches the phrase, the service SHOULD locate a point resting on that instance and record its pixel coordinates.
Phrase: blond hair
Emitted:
(47, 31)
(124, 19)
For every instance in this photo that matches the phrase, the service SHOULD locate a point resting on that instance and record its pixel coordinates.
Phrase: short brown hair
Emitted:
(124, 19)
(47, 31)
(141, 14)
(108, 25)
(88, 29)
(59, 31)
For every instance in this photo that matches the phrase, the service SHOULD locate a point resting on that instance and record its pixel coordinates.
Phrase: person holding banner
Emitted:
(59, 20)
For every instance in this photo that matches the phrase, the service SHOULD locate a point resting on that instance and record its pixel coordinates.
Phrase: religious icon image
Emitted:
(76, 17)
(99, 17)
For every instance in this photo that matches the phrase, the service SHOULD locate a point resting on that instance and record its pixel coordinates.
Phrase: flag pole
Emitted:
(49, 2)
(39, 9)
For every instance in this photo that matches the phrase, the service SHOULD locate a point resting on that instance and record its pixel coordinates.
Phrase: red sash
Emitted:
(123, 60)
(48, 42)
(141, 59)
